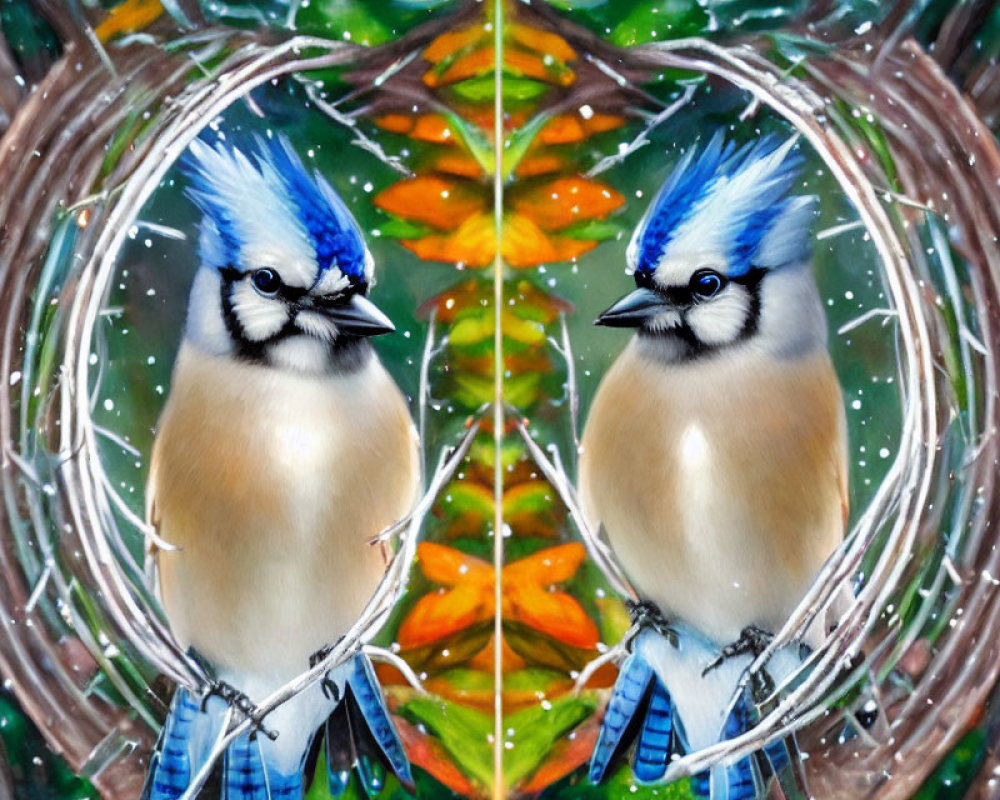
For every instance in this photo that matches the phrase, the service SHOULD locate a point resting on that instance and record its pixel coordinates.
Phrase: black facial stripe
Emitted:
(694, 347)
(293, 295)
(247, 349)
(678, 296)
(347, 353)
(751, 281)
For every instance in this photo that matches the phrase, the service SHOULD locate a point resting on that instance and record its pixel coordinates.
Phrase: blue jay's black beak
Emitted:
(633, 309)
(359, 316)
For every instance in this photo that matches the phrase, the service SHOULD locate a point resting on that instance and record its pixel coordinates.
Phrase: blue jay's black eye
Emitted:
(706, 283)
(266, 281)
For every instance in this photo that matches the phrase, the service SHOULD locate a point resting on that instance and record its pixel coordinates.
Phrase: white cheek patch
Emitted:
(259, 317)
(316, 325)
(720, 320)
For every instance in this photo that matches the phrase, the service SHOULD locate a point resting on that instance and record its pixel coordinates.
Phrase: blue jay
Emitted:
(283, 448)
(714, 455)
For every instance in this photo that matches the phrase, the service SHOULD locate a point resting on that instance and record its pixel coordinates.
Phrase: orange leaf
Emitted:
(441, 614)
(551, 565)
(564, 129)
(458, 163)
(449, 566)
(432, 128)
(548, 250)
(451, 42)
(395, 123)
(473, 244)
(130, 16)
(509, 658)
(563, 201)
(449, 304)
(524, 244)
(602, 122)
(534, 67)
(568, 248)
(539, 165)
(527, 597)
(541, 41)
(480, 61)
(556, 614)
(443, 203)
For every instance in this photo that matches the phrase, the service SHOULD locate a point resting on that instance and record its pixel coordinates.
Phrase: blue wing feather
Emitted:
(243, 768)
(247, 773)
(367, 694)
(626, 700)
(737, 781)
(170, 769)
(340, 753)
(652, 753)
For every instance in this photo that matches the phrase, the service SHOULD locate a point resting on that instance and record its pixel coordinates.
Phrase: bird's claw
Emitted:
(234, 698)
(752, 640)
(329, 687)
(320, 655)
(646, 614)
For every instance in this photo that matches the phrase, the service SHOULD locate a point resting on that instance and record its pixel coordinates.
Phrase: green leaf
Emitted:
(522, 390)
(475, 141)
(468, 680)
(533, 498)
(660, 20)
(519, 142)
(466, 497)
(539, 648)
(593, 230)
(464, 732)
(483, 89)
(397, 228)
(451, 650)
(955, 772)
(536, 729)
(350, 20)
(536, 679)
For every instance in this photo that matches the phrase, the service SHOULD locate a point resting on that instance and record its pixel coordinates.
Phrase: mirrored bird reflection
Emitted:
(284, 447)
(714, 455)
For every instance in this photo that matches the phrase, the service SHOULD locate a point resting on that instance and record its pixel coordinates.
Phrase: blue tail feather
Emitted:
(248, 770)
(778, 755)
(170, 769)
(340, 753)
(737, 781)
(374, 716)
(652, 754)
(244, 771)
(359, 735)
(627, 698)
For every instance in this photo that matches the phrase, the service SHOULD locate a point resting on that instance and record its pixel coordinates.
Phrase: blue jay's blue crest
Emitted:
(731, 203)
(271, 211)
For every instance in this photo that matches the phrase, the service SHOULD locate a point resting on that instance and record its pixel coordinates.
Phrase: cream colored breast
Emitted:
(272, 483)
(720, 483)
